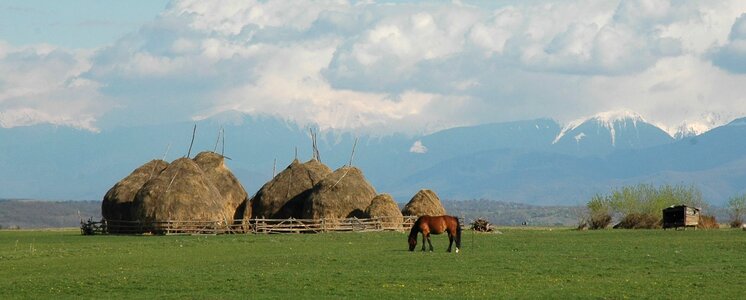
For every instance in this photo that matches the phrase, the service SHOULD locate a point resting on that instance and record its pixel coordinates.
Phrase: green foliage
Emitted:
(644, 203)
(518, 264)
(737, 209)
(600, 212)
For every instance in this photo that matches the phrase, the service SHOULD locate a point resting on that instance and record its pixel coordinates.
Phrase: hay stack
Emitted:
(117, 203)
(232, 192)
(283, 196)
(345, 193)
(181, 192)
(425, 202)
(383, 206)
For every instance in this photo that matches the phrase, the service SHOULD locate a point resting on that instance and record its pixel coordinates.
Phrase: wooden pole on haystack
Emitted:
(194, 132)
(222, 151)
(352, 155)
(215, 149)
(314, 144)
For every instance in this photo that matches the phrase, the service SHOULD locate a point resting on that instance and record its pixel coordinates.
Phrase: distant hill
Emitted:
(531, 162)
(26, 214)
(46, 214)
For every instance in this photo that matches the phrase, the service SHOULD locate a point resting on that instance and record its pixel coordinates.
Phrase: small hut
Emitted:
(680, 216)
(231, 190)
(383, 206)
(425, 202)
(181, 192)
(283, 196)
(345, 193)
(117, 203)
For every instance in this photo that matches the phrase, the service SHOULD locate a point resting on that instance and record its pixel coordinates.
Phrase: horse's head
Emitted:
(412, 243)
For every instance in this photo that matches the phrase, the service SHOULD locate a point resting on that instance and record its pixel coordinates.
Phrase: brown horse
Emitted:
(435, 225)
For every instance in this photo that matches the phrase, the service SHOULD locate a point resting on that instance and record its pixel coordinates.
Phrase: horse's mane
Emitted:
(415, 229)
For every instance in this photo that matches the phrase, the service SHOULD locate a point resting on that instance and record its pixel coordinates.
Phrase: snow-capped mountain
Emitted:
(532, 161)
(609, 131)
(686, 130)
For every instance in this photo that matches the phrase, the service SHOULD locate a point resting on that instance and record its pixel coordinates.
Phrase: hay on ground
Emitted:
(481, 225)
(383, 206)
(424, 203)
(117, 203)
(283, 196)
(181, 192)
(345, 193)
(231, 190)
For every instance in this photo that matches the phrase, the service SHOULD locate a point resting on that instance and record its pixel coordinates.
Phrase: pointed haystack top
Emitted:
(231, 190)
(117, 203)
(425, 202)
(282, 197)
(342, 194)
(181, 192)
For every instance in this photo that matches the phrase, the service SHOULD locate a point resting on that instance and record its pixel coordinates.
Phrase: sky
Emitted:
(371, 66)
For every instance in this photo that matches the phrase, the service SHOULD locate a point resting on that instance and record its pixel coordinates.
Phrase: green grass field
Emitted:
(520, 263)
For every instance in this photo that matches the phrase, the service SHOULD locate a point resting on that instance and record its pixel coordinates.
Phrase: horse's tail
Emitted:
(458, 233)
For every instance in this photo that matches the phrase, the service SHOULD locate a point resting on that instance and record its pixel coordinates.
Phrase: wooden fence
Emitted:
(247, 226)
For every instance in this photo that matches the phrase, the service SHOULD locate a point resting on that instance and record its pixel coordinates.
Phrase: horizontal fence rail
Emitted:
(255, 226)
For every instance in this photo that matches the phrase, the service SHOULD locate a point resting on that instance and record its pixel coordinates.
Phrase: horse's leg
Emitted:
(450, 241)
(424, 240)
(430, 242)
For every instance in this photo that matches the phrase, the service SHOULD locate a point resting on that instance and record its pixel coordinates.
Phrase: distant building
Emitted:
(680, 216)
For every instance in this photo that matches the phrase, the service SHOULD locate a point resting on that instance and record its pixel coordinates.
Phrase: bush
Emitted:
(736, 224)
(599, 221)
(641, 206)
(737, 208)
(708, 222)
(599, 213)
(639, 221)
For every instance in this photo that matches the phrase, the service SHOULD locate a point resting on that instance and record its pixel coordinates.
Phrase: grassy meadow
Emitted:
(520, 263)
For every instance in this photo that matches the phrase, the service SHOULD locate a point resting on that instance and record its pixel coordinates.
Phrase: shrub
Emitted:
(736, 224)
(599, 221)
(737, 208)
(641, 206)
(708, 222)
(599, 210)
(639, 221)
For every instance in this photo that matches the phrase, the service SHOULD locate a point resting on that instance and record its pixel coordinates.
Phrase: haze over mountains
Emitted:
(533, 161)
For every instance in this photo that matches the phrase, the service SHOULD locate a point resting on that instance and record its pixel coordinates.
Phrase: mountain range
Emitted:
(532, 161)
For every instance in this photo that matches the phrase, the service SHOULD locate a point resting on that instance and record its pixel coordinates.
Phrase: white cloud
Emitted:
(418, 148)
(41, 84)
(405, 67)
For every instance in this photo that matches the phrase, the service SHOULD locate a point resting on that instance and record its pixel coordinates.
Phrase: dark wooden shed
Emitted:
(680, 216)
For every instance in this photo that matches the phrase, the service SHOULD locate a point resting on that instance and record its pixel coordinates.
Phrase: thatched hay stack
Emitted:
(345, 193)
(283, 196)
(117, 203)
(425, 202)
(383, 206)
(213, 164)
(181, 192)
